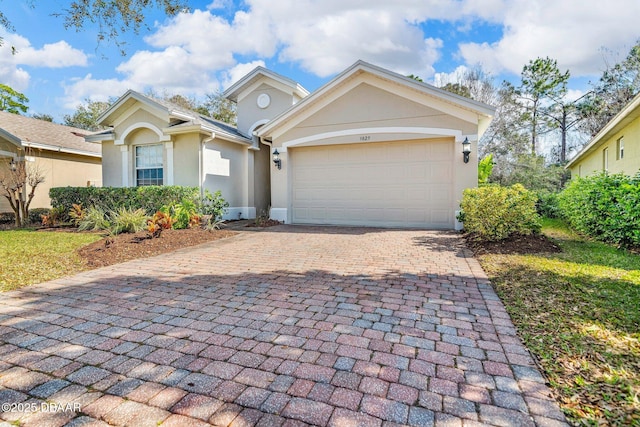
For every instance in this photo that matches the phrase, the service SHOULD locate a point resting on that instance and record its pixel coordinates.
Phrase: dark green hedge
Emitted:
(150, 198)
(605, 207)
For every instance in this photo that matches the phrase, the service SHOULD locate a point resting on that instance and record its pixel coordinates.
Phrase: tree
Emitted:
(18, 183)
(542, 82)
(86, 115)
(219, 108)
(12, 101)
(617, 86)
(113, 18)
(44, 117)
(473, 83)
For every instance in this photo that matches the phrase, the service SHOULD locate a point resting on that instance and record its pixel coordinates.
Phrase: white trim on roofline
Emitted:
(60, 149)
(608, 128)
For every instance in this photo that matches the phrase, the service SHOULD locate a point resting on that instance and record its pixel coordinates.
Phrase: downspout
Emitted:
(203, 142)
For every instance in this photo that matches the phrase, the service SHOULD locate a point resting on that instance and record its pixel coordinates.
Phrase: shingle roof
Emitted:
(221, 127)
(47, 135)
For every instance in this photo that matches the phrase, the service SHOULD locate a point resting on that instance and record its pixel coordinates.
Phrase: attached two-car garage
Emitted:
(387, 184)
(374, 148)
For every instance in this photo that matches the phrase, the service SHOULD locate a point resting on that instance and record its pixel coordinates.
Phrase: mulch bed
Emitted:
(125, 247)
(518, 244)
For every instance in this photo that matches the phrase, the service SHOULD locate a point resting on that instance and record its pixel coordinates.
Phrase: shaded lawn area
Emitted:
(28, 257)
(578, 311)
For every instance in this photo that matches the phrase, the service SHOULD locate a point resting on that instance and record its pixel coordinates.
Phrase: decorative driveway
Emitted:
(287, 326)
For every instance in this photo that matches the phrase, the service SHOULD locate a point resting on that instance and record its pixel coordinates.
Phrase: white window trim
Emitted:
(135, 165)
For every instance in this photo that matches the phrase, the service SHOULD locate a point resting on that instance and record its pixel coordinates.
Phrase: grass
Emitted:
(28, 257)
(579, 313)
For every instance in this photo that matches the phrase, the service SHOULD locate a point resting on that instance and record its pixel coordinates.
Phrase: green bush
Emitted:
(184, 214)
(150, 198)
(34, 215)
(494, 213)
(605, 207)
(214, 205)
(547, 204)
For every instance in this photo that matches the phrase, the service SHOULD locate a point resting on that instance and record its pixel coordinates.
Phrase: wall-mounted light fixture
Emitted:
(13, 165)
(276, 159)
(466, 150)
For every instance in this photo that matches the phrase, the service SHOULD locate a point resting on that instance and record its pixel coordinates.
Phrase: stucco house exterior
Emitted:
(59, 152)
(615, 149)
(371, 148)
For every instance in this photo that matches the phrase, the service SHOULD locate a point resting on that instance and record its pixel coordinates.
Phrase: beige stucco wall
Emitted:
(629, 164)
(111, 165)
(367, 106)
(225, 166)
(249, 113)
(185, 159)
(7, 147)
(262, 179)
(62, 170)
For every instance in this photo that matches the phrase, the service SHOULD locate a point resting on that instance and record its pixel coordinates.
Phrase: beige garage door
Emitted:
(391, 184)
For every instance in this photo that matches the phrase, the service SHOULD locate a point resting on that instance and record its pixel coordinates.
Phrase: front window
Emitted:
(149, 165)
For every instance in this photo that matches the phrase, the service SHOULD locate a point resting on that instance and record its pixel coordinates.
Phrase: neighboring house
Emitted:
(615, 149)
(59, 152)
(371, 147)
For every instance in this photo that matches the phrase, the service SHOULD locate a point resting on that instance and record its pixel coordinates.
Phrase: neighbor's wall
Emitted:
(63, 170)
(630, 164)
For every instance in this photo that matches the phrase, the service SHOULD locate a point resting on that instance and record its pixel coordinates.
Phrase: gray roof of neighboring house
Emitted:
(47, 135)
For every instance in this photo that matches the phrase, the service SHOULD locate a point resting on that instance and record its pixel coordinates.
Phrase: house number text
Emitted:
(365, 138)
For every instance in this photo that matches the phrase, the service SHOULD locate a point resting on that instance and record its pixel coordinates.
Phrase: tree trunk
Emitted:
(534, 128)
(563, 143)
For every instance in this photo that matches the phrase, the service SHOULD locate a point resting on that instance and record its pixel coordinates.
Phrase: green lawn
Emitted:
(579, 312)
(28, 257)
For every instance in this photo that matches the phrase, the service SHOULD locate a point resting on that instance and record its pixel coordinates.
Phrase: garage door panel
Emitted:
(400, 184)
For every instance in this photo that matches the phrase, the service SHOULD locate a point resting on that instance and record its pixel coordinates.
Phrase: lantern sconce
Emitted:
(466, 150)
(276, 159)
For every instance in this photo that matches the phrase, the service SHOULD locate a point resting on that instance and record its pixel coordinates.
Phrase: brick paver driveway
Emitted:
(288, 326)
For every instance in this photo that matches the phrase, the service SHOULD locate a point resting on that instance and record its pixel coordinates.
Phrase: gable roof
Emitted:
(360, 67)
(235, 89)
(178, 118)
(629, 113)
(35, 133)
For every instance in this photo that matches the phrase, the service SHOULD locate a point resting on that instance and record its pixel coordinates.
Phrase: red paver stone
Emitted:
(308, 411)
(197, 406)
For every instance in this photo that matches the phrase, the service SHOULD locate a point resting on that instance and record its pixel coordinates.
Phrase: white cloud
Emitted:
(80, 89)
(53, 55)
(571, 32)
(239, 71)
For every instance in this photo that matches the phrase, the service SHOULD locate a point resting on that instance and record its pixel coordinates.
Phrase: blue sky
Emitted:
(309, 41)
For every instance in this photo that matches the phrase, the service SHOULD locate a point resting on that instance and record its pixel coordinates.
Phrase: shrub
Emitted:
(214, 205)
(127, 220)
(605, 207)
(184, 213)
(158, 222)
(35, 215)
(150, 198)
(53, 217)
(493, 212)
(94, 219)
(77, 213)
(547, 204)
